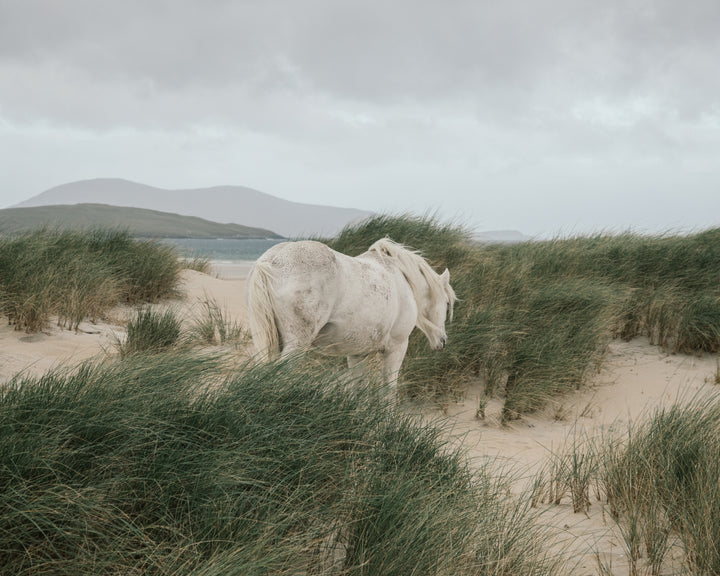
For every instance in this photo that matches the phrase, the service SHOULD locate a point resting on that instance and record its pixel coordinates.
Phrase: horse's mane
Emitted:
(416, 270)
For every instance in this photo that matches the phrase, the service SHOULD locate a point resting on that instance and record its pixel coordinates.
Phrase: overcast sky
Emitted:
(545, 116)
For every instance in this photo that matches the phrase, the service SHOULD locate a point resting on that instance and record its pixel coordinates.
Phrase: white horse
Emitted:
(304, 294)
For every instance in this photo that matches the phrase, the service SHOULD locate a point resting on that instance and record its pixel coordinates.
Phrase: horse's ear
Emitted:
(445, 276)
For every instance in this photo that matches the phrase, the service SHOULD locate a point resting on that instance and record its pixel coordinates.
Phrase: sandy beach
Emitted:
(230, 270)
(634, 380)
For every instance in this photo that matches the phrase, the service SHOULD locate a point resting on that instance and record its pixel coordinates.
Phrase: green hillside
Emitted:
(138, 222)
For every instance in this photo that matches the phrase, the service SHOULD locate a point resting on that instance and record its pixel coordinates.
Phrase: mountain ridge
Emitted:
(224, 204)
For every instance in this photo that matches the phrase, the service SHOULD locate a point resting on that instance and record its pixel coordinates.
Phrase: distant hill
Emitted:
(226, 204)
(501, 237)
(138, 221)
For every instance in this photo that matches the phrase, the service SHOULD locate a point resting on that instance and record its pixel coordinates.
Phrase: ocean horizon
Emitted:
(223, 249)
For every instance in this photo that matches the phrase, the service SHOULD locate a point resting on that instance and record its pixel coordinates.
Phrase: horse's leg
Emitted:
(392, 360)
(300, 316)
(360, 373)
(292, 345)
(357, 366)
(296, 335)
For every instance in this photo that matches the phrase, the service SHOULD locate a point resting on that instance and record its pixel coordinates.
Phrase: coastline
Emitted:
(231, 269)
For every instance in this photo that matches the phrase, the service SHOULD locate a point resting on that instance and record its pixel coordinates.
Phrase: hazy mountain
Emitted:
(502, 237)
(138, 221)
(225, 204)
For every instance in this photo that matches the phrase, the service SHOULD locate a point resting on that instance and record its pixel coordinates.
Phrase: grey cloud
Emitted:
(508, 57)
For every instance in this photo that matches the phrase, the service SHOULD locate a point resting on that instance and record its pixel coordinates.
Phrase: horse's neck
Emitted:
(419, 288)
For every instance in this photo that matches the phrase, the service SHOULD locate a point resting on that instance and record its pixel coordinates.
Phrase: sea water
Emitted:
(229, 258)
(223, 250)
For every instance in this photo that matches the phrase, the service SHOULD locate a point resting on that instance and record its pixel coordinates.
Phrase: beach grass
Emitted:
(80, 275)
(571, 471)
(170, 464)
(656, 479)
(212, 324)
(151, 330)
(660, 480)
(534, 318)
(198, 264)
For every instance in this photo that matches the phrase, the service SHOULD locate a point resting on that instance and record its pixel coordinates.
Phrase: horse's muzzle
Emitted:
(441, 343)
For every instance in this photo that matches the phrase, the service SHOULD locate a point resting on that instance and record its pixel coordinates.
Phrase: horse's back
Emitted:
(304, 269)
(305, 285)
(302, 257)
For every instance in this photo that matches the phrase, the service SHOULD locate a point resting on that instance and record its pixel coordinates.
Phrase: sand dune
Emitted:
(635, 379)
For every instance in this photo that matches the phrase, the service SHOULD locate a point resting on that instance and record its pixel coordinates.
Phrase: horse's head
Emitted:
(437, 307)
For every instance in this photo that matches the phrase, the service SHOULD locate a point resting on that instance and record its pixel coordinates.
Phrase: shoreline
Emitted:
(231, 269)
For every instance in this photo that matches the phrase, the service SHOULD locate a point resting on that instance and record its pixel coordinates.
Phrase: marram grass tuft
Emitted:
(534, 319)
(169, 464)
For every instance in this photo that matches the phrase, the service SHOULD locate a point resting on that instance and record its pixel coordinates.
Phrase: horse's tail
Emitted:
(261, 311)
